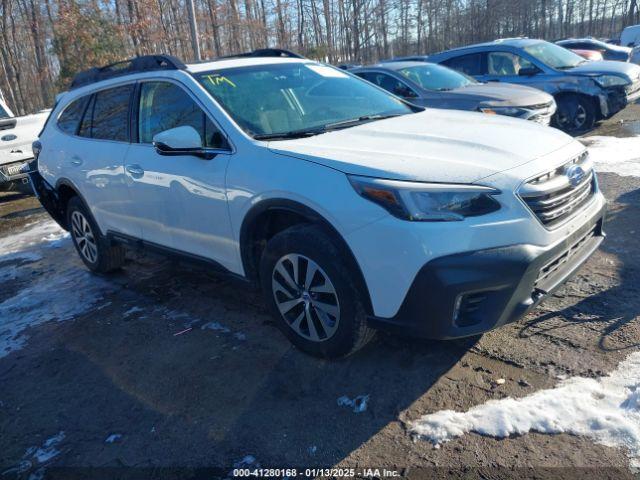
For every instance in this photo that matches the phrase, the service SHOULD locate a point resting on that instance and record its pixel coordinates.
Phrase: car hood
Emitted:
(505, 94)
(631, 71)
(433, 145)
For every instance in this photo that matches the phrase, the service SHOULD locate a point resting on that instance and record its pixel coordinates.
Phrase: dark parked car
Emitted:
(436, 86)
(608, 51)
(584, 91)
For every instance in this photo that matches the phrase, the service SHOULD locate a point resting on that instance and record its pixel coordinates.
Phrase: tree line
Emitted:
(45, 42)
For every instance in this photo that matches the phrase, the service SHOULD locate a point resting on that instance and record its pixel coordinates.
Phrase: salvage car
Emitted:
(352, 209)
(584, 91)
(607, 50)
(16, 136)
(436, 86)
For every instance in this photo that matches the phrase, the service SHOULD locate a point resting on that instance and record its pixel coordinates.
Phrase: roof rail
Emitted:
(264, 52)
(144, 63)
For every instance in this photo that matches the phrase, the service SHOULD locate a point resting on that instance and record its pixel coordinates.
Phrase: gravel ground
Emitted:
(117, 382)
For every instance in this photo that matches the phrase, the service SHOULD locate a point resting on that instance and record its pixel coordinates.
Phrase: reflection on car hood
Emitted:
(607, 67)
(434, 145)
(505, 94)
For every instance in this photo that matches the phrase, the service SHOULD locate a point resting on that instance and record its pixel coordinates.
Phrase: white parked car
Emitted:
(352, 209)
(16, 136)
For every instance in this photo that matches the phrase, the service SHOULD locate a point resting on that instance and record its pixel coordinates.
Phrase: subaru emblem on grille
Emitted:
(575, 174)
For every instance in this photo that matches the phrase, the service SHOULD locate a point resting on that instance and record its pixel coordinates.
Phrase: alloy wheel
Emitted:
(305, 297)
(575, 123)
(83, 236)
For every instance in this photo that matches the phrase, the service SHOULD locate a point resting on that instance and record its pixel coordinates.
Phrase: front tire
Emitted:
(94, 249)
(311, 293)
(576, 114)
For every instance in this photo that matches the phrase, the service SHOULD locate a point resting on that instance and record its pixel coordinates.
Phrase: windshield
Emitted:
(287, 98)
(3, 113)
(436, 77)
(554, 56)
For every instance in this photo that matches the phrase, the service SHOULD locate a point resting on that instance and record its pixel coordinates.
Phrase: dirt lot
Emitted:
(99, 374)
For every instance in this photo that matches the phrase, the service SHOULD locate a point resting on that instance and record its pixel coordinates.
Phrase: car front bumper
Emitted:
(617, 98)
(469, 293)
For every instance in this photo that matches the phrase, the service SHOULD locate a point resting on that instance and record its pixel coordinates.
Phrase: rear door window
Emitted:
(472, 64)
(110, 117)
(70, 118)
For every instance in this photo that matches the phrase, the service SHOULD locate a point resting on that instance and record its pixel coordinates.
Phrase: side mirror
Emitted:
(183, 140)
(529, 71)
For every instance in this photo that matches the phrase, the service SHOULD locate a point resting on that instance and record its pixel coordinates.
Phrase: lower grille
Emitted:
(555, 265)
(554, 196)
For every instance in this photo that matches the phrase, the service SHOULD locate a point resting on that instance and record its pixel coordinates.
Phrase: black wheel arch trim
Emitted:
(249, 263)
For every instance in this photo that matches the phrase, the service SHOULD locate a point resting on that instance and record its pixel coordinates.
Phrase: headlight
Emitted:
(611, 81)
(424, 202)
(509, 111)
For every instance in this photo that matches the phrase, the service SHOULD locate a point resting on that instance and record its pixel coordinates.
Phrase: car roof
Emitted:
(511, 42)
(397, 65)
(242, 62)
(582, 40)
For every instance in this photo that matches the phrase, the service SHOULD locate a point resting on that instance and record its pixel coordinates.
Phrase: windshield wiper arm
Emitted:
(357, 121)
(292, 134)
(309, 132)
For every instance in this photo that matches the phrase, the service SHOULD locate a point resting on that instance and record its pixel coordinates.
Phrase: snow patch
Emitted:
(358, 404)
(615, 155)
(215, 326)
(47, 451)
(71, 291)
(133, 310)
(114, 437)
(47, 231)
(606, 410)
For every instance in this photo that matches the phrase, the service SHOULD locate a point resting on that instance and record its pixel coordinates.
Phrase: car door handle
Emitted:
(135, 171)
(75, 160)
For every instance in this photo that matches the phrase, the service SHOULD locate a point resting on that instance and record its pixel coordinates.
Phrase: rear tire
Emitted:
(312, 294)
(576, 114)
(94, 249)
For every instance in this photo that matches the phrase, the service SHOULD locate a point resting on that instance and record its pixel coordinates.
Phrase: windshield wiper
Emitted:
(307, 132)
(357, 121)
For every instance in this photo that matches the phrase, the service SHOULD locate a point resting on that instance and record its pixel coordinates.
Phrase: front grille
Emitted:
(556, 264)
(553, 196)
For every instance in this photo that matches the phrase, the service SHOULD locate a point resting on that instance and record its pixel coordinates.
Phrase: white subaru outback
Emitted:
(350, 208)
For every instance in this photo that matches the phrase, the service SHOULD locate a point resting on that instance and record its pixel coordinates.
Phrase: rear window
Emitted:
(470, 64)
(69, 120)
(107, 117)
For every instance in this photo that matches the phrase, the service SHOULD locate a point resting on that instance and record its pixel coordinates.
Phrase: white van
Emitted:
(630, 36)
